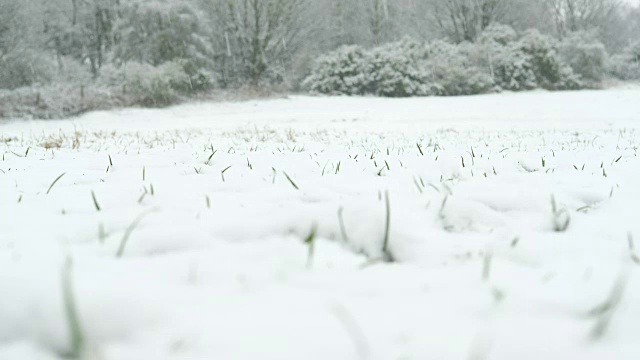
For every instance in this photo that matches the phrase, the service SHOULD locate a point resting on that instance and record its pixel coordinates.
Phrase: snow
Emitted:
(214, 265)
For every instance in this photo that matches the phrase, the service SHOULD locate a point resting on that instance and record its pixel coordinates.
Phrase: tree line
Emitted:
(172, 48)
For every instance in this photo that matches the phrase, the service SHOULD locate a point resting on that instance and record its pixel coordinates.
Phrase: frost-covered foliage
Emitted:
(586, 55)
(498, 34)
(149, 85)
(512, 70)
(626, 66)
(132, 85)
(542, 58)
(399, 69)
(396, 70)
(499, 60)
(156, 86)
(158, 33)
(523, 63)
(345, 71)
(453, 72)
(59, 100)
(25, 68)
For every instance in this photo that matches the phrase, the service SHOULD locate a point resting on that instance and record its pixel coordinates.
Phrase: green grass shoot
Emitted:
(54, 182)
(386, 253)
(76, 347)
(343, 229)
(310, 240)
(127, 234)
(291, 181)
(95, 201)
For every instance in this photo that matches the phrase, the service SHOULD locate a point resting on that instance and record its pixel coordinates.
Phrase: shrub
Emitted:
(499, 60)
(586, 55)
(513, 70)
(626, 66)
(396, 70)
(498, 34)
(156, 86)
(26, 68)
(57, 101)
(531, 62)
(344, 71)
(453, 73)
(620, 66)
(399, 69)
(550, 71)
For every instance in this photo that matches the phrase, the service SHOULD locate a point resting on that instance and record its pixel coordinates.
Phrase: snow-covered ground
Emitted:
(256, 230)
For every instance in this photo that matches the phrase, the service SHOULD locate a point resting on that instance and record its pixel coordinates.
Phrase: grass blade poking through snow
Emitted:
(604, 312)
(127, 233)
(310, 240)
(102, 234)
(561, 217)
(54, 182)
(71, 313)
(634, 257)
(343, 229)
(387, 256)
(224, 171)
(95, 200)
(353, 330)
(486, 265)
(291, 181)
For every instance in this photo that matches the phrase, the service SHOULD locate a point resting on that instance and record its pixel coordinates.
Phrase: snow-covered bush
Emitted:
(586, 55)
(156, 86)
(26, 68)
(499, 60)
(399, 69)
(453, 72)
(513, 70)
(396, 70)
(531, 62)
(498, 34)
(542, 53)
(58, 101)
(626, 66)
(345, 71)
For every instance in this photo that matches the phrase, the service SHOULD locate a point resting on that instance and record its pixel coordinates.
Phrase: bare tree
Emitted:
(575, 15)
(256, 35)
(82, 29)
(9, 33)
(464, 20)
(379, 20)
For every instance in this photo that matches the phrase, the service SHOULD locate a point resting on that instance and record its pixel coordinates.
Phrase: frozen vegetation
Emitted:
(64, 58)
(487, 227)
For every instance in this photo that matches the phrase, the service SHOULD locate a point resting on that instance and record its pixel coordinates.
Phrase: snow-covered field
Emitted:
(257, 230)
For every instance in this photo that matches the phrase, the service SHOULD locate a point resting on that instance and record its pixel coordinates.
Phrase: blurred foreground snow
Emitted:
(512, 224)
